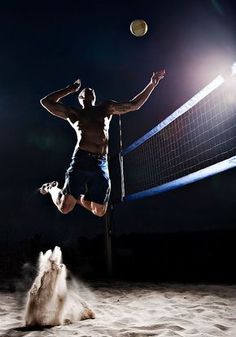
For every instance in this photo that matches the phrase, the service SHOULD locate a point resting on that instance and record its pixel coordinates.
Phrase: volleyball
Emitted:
(138, 27)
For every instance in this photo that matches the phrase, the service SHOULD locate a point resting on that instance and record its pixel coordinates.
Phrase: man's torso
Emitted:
(92, 128)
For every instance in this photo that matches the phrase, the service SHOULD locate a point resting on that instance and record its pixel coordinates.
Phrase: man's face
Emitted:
(87, 95)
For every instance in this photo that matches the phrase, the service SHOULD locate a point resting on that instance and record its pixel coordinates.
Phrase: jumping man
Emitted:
(87, 181)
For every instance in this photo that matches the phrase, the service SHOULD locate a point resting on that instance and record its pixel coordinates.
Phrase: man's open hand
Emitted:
(156, 77)
(75, 86)
(77, 83)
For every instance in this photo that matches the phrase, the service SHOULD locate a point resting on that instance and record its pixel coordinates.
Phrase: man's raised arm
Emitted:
(117, 108)
(52, 103)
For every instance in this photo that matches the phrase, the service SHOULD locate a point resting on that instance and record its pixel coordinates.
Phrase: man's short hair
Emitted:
(82, 92)
(81, 95)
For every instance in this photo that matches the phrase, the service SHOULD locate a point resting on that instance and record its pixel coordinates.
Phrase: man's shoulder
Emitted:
(109, 101)
(103, 107)
(73, 114)
(75, 110)
(108, 105)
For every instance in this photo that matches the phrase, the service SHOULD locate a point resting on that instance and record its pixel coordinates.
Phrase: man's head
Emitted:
(87, 97)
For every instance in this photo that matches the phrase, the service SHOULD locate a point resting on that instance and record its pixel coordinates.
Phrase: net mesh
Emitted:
(204, 135)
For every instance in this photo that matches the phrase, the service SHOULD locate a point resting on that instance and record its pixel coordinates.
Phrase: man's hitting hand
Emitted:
(77, 83)
(75, 86)
(156, 77)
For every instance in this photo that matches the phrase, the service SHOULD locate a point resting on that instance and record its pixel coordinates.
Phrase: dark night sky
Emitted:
(45, 47)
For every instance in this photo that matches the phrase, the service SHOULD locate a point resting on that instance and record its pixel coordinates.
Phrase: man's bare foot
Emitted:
(44, 189)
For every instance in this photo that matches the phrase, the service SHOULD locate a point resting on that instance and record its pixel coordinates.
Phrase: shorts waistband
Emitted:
(91, 154)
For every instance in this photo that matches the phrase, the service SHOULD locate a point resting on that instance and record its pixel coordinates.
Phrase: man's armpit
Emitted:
(72, 114)
(120, 108)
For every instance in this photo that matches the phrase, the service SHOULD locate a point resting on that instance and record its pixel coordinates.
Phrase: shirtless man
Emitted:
(87, 181)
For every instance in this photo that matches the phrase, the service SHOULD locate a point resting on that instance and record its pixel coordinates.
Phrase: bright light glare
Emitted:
(234, 69)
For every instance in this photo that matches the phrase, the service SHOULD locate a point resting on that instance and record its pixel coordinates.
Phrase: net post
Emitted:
(121, 161)
(122, 180)
(108, 240)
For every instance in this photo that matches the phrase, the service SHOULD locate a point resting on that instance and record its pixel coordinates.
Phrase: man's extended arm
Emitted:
(52, 103)
(117, 108)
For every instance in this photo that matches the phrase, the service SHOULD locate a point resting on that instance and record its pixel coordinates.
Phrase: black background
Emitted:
(187, 234)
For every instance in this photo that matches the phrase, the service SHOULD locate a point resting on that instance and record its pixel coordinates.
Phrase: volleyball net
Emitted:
(196, 141)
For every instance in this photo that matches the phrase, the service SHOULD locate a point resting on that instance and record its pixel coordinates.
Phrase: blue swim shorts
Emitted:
(88, 175)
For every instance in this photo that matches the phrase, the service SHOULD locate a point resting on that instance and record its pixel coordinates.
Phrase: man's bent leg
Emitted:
(64, 203)
(67, 203)
(84, 203)
(95, 208)
(99, 209)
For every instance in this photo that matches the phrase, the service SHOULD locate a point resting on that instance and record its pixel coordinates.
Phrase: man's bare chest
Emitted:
(90, 120)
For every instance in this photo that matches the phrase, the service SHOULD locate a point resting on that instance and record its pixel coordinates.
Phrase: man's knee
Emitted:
(67, 204)
(99, 213)
(99, 210)
(65, 209)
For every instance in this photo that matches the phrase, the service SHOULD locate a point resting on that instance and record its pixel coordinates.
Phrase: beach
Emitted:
(125, 309)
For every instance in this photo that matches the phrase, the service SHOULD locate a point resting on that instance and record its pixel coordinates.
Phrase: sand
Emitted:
(136, 310)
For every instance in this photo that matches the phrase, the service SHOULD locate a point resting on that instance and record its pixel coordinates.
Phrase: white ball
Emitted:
(138, 27)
